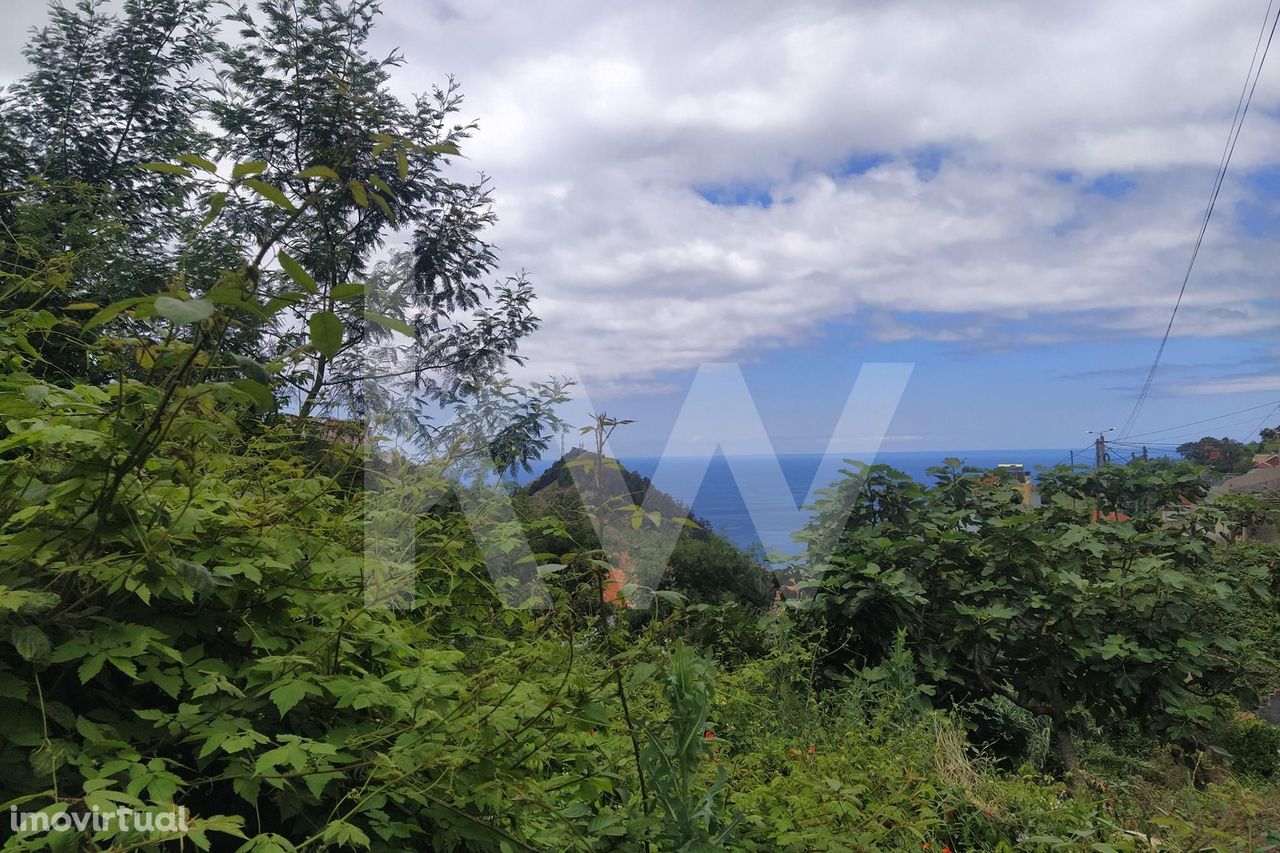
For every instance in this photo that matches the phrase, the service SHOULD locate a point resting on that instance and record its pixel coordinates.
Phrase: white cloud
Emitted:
(1234, 385)
(599, 121)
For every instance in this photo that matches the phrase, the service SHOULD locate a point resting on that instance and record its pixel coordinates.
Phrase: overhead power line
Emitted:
(1265, 418)
(1206, 420)
(1071, 454)
(1224, 430)
(1237, 123)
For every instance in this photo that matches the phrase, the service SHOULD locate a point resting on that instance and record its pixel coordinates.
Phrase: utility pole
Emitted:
(1073, 458)
(1100, 445)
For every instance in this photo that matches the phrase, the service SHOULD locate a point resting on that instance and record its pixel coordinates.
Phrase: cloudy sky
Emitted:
(1004, 195)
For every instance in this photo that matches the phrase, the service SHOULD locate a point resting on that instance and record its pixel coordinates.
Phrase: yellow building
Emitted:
(1019, 477)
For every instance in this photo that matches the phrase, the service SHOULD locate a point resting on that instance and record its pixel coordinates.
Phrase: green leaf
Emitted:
(389, 323)
(381, 186)
(326, 332)
(291, 753)
(289, 694)
(167, 168)
(247, 788)
(443, 148)
(641, 672)
(252, 368)
(316, 781)
(358, 193)
(183, 311)
(90, 667)
(670, 596)
(270, 192)
(402, 164)
(109, 313)
(30, 643)
(253, 167)
(226, 824)
(348, 291)
(12, 688)
(199, 162)
(39, 602)
(296, 272)
(384, 207)
(284, 300)
(344, 834)
(228, 293)
(258, 392)
(268, 842)
(124, 665)
(199, 577)
(216, 201)
(319, 172)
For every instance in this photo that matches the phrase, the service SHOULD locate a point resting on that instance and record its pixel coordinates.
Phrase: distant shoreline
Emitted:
(720, 496)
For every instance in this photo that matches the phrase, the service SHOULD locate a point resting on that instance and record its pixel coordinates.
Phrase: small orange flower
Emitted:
(946, 850)
(709, 735)
(792, 751)
(811, 749)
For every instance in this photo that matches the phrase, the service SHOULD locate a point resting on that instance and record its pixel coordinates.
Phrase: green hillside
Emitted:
(702, 565)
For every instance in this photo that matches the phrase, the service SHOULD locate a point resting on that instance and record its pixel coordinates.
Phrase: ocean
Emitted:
(767, 517)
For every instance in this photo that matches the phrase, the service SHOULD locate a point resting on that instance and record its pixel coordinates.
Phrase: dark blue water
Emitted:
(773, 517)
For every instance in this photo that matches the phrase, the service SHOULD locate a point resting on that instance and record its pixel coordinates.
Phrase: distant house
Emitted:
(331, 429)
(1098, 515)
(1266, 460)
(1016, 475)
(1263, 484)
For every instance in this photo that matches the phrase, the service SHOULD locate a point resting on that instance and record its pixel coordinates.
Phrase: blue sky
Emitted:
(962, 398)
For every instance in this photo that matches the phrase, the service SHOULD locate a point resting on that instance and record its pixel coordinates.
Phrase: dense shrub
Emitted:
(713, 570)
(1099, 605)
(1253, 746)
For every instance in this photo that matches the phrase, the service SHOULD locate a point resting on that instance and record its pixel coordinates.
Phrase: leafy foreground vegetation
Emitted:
(186, 618)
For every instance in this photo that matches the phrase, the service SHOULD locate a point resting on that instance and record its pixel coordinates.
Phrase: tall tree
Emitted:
(105, 94)
(300, 95)
(1221, 454)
